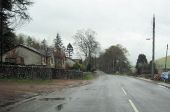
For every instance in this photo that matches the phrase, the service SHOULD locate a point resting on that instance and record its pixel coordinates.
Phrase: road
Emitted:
(108, 93)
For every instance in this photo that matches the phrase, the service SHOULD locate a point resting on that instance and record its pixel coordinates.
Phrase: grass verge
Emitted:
(168, 82)
(88, 76)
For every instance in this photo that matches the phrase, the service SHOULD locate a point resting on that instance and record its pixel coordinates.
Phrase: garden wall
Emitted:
(37, 72)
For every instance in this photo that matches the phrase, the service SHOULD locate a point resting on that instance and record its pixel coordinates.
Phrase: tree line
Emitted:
(14, 13)
(11, 40)
(114, 60)
(143, 67)
(111, 61)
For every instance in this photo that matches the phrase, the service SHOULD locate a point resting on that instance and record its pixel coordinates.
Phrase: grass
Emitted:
(123, 74)
(120, 74)
(88, 76)
(161, 62)
(168, 82)
(147, 76)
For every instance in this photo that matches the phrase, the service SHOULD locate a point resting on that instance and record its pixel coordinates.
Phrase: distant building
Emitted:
(78, 61)
(69, 62)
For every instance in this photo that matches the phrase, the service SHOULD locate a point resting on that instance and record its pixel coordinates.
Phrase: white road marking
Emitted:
(124, 91)
(162, 86)
(133, 106)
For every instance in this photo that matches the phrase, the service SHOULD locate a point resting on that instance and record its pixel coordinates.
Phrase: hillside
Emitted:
(161, 62)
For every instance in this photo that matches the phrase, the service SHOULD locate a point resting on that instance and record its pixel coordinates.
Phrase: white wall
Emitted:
(30, 57)
(69, 62)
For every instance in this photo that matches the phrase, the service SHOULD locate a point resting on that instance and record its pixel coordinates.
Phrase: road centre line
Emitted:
(124, 91)
(133, 106)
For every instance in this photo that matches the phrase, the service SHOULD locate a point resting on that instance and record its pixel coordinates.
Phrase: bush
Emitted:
(88, 76)
(78, 66)
(88, 68)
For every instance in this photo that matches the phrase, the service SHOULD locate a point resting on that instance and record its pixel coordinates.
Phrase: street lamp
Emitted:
(148, 38)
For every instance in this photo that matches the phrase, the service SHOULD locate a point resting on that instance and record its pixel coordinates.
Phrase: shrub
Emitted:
(78, 66)
(88, 76)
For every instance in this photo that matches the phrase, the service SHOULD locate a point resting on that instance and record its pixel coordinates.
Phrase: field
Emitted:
(161, 62)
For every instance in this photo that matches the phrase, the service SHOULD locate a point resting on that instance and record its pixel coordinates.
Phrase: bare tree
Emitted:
(86, 43)
(15, 11)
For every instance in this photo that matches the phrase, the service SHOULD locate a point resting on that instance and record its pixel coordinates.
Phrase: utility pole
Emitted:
(166, 57)
(95, 61)
(153, 49)
(1, 30)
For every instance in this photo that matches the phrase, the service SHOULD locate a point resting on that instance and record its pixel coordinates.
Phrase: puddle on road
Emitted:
(59, 107)
(51, 99)
(90, 89)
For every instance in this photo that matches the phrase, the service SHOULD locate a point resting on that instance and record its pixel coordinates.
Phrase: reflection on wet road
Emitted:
(108, 93)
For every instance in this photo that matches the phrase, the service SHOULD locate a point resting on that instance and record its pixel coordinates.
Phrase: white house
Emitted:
(25, 55)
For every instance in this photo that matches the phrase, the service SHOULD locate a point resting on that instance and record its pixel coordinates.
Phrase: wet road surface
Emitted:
(108, 93)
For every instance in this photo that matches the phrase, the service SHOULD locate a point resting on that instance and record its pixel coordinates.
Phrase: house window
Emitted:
(10, 60)
(51, 60)
(6, 59)
(44, 60)
(63, 61)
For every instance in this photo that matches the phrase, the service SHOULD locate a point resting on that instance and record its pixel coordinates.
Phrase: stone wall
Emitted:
(66, 74)
(37, 72)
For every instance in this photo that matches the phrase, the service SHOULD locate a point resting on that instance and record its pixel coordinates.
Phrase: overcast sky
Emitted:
(125, 22)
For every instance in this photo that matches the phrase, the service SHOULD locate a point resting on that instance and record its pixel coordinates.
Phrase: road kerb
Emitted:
(148, 80)
(18, 103)
(164, 85)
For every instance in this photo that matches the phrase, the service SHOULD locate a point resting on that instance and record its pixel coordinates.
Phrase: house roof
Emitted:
(70, 59)
(31, 49)
(75, 60)
(48, 53)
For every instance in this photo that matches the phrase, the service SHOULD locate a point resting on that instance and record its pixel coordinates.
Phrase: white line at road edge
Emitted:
(124, 91)
(133, 106)
(162, 86)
